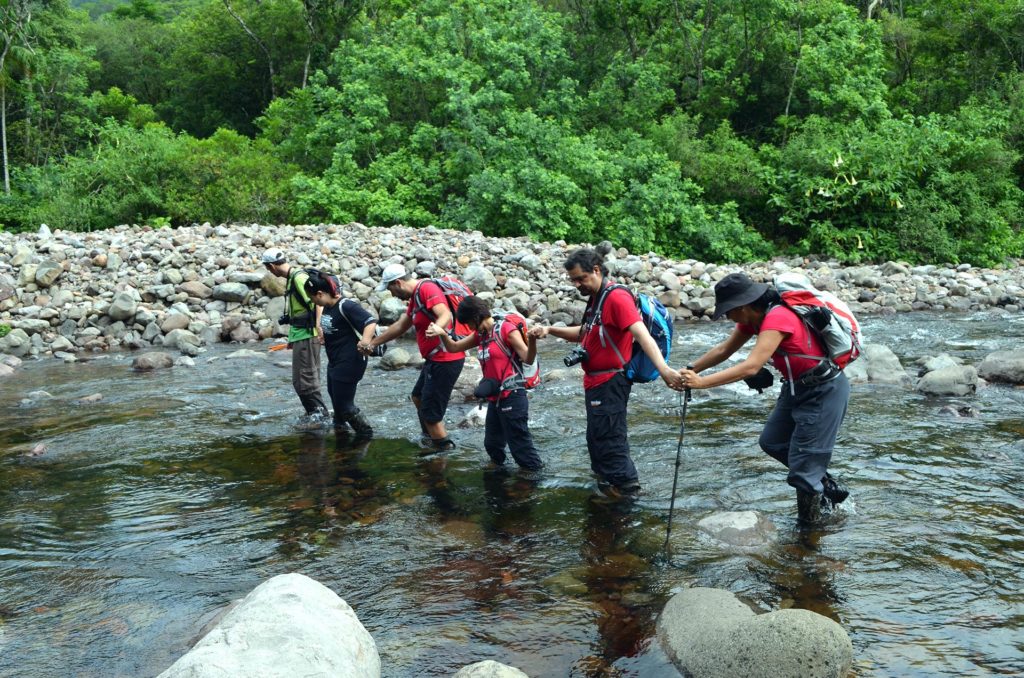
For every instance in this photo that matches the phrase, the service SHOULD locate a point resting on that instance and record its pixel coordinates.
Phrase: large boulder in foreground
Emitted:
(287, 626)
(709, 633)
(1003, 366)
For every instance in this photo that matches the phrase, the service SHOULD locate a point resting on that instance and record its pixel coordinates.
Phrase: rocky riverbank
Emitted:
(64, 294)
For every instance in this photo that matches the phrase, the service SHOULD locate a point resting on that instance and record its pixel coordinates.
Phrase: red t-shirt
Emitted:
(431, 348)
(494, 363)
(617, 315)
(796, 339)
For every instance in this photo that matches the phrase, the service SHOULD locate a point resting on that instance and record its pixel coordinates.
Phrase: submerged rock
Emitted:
(154, 360)
(709, 633)
(747, 529)
(489, 669)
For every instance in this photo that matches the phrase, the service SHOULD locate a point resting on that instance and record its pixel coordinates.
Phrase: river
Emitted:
(181, 490)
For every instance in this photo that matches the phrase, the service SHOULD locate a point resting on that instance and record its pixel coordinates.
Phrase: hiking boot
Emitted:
(625, 492)
(808, 507)
(443, 444)
(832, 491)
(360, 425)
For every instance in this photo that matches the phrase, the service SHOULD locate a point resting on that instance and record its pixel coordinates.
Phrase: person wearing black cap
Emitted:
(802, 428)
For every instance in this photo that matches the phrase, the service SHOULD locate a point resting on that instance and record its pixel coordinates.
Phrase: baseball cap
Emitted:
(391, 273)
(273, 256)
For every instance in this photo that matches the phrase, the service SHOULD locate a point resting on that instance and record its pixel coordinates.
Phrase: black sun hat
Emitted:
(735, 290)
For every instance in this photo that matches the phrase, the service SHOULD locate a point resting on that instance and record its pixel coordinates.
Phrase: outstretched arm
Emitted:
(767, 342)
(567, 333)
(671, 377)
(394, 331)
(451, 345)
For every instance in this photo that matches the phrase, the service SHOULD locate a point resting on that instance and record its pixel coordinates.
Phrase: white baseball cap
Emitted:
(273, 256)
(391, 273)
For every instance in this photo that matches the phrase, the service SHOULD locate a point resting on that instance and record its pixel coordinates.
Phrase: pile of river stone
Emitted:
(66, 294)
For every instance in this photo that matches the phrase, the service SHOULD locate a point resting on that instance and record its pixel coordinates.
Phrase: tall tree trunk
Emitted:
(3, 135)
(259, 43)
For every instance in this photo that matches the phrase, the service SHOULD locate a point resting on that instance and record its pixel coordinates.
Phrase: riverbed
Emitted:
(127, 523)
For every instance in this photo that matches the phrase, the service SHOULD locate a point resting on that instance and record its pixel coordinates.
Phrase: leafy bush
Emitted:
(152, 175)
(938, 188)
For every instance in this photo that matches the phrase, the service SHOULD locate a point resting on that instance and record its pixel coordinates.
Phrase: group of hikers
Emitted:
(449, 320)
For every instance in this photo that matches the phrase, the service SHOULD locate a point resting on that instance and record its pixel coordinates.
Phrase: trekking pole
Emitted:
(679, 451)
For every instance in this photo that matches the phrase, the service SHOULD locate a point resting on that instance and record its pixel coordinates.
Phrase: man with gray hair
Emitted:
(303, 320)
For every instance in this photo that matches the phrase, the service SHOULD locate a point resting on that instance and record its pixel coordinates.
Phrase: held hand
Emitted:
(364, 348)
(539, 332)
(691, 379)
(673, 379)
(434, 330)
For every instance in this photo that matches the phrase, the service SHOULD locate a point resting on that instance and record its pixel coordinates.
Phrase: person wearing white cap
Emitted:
(428, 302)
(303, 320)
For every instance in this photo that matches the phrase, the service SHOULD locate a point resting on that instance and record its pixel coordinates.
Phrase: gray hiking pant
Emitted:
(306, 374)
(801, 431)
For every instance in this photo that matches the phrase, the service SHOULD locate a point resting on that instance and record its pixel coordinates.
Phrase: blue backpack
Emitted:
(640, 369)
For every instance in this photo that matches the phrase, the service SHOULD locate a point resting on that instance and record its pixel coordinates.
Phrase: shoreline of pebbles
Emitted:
(67, 293)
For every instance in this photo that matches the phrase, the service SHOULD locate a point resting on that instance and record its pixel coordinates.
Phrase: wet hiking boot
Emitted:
(832, 493)
(617, 493)
(808, 507)
(432, 446)
(361, 425)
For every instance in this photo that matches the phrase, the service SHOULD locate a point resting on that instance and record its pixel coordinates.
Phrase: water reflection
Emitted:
(147, 513)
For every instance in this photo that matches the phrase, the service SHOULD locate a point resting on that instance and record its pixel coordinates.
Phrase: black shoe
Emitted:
(833, 491)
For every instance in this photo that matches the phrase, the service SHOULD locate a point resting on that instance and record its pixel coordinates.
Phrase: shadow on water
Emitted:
(145, 513)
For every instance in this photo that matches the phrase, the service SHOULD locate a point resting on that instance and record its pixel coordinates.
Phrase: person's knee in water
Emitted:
(503, 348)
(429, 301)
(812, 384)
(343, 324)
(611, 329)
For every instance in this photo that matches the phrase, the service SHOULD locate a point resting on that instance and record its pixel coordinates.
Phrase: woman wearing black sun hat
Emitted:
(802, 428)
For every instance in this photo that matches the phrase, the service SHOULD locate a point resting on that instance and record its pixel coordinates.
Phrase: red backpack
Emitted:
(523, 375)
(454, 291)
(825, 315)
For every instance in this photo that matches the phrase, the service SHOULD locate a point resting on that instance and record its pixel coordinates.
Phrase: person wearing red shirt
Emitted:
(802, 428)
(611, 319)
(441, 368)
(503, 350)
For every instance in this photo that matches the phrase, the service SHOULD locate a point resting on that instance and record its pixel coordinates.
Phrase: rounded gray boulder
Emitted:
(1003, 366)
(709, 633)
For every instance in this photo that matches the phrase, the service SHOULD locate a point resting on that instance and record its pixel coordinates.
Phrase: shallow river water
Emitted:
(181, 490)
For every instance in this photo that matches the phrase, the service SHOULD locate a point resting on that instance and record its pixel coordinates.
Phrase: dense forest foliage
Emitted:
(720, 129)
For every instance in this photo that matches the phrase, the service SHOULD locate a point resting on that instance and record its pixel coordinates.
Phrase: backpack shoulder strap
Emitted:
(292, 291)
(341, 311)
(499, 323)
